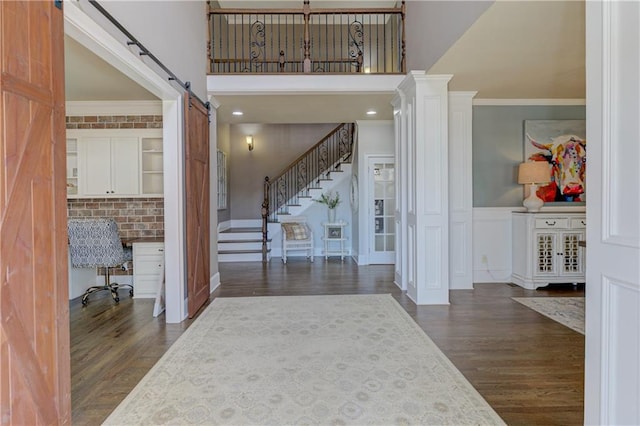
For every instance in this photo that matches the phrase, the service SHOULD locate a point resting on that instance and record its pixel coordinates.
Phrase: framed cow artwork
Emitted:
(563, 144)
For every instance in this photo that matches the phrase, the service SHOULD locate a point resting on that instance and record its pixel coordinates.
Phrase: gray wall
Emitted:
(276, 146)
(498, 148)
(432, 27)
(224, 145)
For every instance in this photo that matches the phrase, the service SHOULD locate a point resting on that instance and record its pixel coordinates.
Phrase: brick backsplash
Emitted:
(136, 217)
(114, 122)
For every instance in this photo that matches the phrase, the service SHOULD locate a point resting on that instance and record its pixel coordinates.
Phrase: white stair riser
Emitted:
(240, 257)
(226, 236)
(223, 246)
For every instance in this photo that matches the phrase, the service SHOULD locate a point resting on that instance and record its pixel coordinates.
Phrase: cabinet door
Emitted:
(125, 178)
(96, 166)
(572, 254)
(546, 248)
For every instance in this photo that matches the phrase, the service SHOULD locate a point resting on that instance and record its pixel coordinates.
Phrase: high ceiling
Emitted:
(516, 49)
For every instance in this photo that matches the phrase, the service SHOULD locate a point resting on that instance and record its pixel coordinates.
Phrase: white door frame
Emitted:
(82, 28)
(612, 342)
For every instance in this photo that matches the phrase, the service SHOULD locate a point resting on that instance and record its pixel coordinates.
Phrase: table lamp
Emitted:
(532, 173)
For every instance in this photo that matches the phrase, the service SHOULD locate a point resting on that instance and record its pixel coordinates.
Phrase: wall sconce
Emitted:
(250, 142)
(532, 173)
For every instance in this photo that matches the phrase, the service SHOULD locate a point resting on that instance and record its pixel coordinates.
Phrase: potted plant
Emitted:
(332, 201)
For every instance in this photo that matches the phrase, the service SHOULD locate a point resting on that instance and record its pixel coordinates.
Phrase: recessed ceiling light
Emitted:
(371, 112)
(237, 113)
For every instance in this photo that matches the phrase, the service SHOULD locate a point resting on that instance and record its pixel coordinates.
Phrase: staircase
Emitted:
(242, 244)
(290, 193)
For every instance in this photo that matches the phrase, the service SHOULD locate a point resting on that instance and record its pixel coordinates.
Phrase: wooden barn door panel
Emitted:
(197, 209)
(34, 317)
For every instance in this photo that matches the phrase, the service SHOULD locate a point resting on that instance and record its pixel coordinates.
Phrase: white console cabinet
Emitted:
(148, 267)
(546, 248)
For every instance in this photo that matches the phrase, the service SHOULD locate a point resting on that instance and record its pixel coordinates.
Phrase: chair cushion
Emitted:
(295, 231)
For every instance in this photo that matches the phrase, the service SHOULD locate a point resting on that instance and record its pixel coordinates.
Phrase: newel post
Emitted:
(265, 214)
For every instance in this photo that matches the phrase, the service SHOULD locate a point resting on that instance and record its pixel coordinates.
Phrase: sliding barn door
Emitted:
(197, 210)
(34, 315)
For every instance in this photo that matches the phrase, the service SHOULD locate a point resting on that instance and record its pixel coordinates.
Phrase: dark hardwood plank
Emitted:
(528, 367)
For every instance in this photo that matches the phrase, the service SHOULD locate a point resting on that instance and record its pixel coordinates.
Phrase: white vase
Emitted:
(332, 215)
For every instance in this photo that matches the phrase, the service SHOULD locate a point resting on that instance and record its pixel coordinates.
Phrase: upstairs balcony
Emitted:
(307, 40)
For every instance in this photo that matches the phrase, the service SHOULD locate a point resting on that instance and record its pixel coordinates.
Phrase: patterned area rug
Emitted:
(327, 360)
(568, 311)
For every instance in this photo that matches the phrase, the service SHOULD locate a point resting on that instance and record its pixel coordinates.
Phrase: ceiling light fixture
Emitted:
(237, 113)
(371, 112)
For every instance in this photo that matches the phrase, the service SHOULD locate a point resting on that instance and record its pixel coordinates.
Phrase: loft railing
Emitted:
(307, 40)
(304, 174)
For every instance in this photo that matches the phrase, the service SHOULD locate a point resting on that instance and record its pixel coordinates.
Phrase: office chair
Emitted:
(95, 243)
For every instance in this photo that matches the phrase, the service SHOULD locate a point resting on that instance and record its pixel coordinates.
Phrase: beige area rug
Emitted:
(568, 311)
(327, 360)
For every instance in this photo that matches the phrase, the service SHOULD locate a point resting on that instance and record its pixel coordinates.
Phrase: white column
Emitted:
(427, 192)
(460, 190)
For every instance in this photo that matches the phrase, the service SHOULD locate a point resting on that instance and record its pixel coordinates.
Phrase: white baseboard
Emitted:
(492, 276)
(214, 282)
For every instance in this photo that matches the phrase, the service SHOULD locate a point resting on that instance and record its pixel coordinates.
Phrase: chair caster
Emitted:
(116, 299)
(84, 301)
(131, 292)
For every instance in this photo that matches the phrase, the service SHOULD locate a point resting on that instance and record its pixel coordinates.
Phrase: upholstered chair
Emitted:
(95, 243)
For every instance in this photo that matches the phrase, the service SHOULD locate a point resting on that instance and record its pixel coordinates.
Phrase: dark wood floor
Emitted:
(528, 367)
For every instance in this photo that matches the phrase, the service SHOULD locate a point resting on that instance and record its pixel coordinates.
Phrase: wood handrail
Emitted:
(325, 11)
(307, 152)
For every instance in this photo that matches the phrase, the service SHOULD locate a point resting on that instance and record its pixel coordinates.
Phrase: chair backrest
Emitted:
(295, 228)
(95, 242)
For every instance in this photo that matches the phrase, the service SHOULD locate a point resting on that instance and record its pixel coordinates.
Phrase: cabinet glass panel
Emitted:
(72, 166)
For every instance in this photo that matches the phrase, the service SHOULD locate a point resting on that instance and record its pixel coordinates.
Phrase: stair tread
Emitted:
(241, 251)
(241, 241)
(240, 230)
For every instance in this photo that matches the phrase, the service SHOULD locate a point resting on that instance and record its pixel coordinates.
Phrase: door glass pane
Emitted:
(390, 243)
(378, 190)
(379, 243)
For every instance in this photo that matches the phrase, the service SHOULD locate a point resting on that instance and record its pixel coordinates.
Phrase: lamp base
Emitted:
(533, 203)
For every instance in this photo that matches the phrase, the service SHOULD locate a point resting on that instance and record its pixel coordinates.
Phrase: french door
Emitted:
(382, 232)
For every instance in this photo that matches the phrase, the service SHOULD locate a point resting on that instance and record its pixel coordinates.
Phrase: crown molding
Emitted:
(529, 102)
(114, 107)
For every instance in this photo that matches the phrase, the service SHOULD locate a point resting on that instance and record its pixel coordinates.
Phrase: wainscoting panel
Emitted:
(492, 244)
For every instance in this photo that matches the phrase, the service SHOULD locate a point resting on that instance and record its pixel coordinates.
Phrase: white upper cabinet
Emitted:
(112, 163)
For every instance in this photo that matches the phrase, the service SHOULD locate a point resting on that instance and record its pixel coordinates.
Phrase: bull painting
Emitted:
(567, 155)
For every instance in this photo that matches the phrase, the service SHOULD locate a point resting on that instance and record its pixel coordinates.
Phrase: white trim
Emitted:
(223, 226)
(257, 84)
(214, 282)
(82, 28)
(529, 102)
(114, 107)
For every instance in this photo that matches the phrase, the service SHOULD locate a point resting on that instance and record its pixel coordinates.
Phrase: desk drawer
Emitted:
(552, 223)
(148, 249)
(578, 223)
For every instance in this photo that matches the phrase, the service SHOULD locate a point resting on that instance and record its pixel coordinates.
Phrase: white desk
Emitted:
(334, 239)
